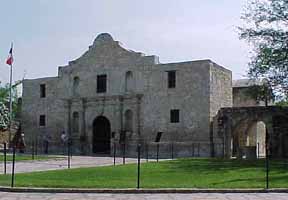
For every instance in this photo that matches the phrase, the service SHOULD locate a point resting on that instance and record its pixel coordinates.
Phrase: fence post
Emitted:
(258, 151)
(223, 147)
(71, 149)
(36, 145)
(193, 155)
(13, 166)
(157, 153)
(147, 152)
(68, 153)
(172, 150)
(114, 153)
(5, 157)
(138, 174)
(198, 150)
(267, 162)
(33, 150)
(124, 147)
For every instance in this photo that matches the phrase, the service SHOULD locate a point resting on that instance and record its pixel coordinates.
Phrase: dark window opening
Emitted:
(174, 116)
(42, 90)
(101, 83)
(42, 120)
(171, 79)
(129, 81)
(76, 81)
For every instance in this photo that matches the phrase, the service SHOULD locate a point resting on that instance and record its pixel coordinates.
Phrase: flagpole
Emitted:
(10, 101)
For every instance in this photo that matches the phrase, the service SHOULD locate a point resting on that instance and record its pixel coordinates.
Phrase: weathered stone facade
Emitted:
(137, 100)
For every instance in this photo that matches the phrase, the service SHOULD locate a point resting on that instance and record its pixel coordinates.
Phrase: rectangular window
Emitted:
(42, 90)
(171, 79)
(101, 83)
(174, 116)
(42, 120)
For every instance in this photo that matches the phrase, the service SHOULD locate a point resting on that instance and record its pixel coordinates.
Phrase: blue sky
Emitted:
(49, 33)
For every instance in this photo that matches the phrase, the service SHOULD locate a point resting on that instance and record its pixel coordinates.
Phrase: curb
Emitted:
(138, 191)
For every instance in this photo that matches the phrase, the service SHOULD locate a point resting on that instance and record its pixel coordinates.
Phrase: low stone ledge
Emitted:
(135, 191)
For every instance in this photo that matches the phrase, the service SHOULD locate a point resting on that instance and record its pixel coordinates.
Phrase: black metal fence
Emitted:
(182, 156)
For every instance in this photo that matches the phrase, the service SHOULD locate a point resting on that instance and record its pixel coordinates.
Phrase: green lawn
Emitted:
(181, 173)
(21, 157)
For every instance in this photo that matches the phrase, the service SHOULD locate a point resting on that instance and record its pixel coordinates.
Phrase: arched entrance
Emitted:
(101, 135)
(248, 137)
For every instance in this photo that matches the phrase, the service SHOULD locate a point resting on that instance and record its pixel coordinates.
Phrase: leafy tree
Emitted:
(283, 102)
(266, 23)
(4, 117)
(4, 99)
(261, 93)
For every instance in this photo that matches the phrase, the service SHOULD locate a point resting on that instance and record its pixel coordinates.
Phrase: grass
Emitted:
(22, 157)
(180, 173)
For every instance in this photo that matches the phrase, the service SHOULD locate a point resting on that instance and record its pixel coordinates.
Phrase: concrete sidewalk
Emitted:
(87, 196)
(57, 164)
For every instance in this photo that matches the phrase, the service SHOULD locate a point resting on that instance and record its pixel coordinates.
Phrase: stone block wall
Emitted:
(33, 106)
(220, 89)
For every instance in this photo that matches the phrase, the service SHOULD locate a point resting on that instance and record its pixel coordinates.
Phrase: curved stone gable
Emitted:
(106, 52)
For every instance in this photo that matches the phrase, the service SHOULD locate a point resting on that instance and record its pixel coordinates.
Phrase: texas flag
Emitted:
(9, 60)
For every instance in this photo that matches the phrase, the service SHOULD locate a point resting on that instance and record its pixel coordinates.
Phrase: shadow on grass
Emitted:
(212, 165)
(274, 181)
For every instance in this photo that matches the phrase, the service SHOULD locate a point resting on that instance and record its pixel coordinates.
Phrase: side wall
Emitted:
(220, 89)
(33, 106)
(220, 97)
(190, 96)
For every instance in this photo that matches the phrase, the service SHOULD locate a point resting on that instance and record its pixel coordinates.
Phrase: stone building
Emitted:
(111, 94)
(241, 93)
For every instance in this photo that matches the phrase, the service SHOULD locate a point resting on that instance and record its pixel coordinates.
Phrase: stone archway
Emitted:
(249, 135)
(256, 137)
(101, 135)
(237, 126)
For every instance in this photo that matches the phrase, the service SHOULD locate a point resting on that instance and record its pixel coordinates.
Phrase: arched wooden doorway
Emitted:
(101, 135)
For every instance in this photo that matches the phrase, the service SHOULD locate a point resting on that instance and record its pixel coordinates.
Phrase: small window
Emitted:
(76, 81)
(129, 83)
(174, 116)
(171, 79)
(42, 120)
(101, 83)
(42, 90)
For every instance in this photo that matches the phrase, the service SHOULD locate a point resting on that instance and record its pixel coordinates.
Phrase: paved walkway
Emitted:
(201, 196)
(56, 164)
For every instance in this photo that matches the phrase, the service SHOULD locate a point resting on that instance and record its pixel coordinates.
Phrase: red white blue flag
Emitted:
(9, 60)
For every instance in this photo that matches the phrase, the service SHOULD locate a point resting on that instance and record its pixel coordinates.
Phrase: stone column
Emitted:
(227, 137)
(269, 137)
(83, 136)
(212, 147)
(120, 115)
(69, 103)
